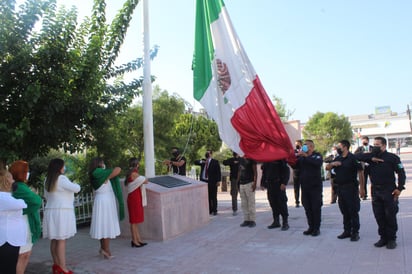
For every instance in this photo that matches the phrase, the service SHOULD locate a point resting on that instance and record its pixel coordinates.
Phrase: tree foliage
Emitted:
(327, 129)
(55, 76)
(280, 107)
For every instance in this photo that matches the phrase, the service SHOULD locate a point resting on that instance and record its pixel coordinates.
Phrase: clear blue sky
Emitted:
(346, 56)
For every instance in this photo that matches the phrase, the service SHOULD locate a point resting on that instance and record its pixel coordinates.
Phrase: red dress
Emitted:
(134, 204)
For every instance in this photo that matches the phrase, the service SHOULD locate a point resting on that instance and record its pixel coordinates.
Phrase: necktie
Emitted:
(206, 169)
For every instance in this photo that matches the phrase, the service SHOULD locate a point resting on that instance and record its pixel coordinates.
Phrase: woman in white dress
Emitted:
(13, 228)
(59, 222)
(105, 219)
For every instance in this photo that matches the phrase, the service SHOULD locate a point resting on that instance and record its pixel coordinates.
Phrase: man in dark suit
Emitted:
(364, 148)
(211, 174)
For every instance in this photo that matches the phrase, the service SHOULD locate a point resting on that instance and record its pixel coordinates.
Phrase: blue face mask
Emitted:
(305, 148)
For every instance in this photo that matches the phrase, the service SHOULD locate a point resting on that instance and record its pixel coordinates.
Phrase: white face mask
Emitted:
(28, 175)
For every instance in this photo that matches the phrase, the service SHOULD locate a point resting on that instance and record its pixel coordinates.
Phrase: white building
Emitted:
(395, 127)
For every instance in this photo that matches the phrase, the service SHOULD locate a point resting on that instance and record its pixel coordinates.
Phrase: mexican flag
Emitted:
(228, 87)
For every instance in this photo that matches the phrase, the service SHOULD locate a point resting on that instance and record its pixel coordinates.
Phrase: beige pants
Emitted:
(247, 201)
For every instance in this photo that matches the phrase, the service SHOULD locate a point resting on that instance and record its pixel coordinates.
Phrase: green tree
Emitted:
(280, 107)
(198, 133)
(54, 78)
(124, 137)
(327, 129)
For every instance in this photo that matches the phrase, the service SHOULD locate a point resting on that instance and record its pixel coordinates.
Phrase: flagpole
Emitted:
(147, 97)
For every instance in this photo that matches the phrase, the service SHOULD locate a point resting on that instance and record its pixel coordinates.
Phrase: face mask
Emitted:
(334, 152)
(207, 155)
(297, 146)
(28, 175)
(104, 166)
(175, 154)
(305, 148)
(339, 151)
(376, 150)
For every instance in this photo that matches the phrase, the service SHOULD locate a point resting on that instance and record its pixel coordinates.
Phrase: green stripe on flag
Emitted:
(207, 11)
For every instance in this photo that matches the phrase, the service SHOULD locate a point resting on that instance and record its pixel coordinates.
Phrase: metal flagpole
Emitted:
(147, 97)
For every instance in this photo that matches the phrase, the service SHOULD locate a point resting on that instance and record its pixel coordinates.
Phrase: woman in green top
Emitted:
(20, 172)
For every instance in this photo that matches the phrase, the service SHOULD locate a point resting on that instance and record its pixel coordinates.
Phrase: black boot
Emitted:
(275, 223)
(285, 224)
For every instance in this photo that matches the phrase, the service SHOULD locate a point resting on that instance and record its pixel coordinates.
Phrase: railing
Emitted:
(83, 205)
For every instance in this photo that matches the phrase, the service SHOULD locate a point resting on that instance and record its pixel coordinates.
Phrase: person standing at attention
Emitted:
(233, 163)
(105, 219)
(310, 164)
(365, 148)
(13, 227)
(136, 200)
(296, 184)
(247, 187)
(346, 168)
(385, 192)
(275, 177)
(177, 163)
(20, 172)
(211, 174)
(59, 221)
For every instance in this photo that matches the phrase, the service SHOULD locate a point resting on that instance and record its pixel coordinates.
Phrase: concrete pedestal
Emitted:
(171, 212)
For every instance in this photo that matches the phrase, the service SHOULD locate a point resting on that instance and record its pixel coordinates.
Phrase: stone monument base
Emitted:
(171, 212)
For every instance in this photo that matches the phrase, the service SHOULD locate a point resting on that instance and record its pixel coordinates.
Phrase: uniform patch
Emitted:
(400, 166)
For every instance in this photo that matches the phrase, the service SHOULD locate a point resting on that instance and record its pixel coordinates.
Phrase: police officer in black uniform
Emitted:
(296, 184)
(346, 168)
(310, 164)
(275, 177)
(385, 192)
(233, 163)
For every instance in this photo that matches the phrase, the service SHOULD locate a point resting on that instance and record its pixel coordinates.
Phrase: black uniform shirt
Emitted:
(347, 172)
(246, 170)
(233, 163)
(275, 172)
(383, 173)
(310, 170)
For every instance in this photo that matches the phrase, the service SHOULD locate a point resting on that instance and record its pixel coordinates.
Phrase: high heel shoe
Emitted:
(105, 254)
(58, 270)
(135, 245)
(142, 243)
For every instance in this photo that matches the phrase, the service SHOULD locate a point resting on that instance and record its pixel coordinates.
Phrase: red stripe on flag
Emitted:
(263, 136)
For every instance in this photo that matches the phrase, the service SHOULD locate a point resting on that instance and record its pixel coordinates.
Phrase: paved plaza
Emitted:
(222, 246)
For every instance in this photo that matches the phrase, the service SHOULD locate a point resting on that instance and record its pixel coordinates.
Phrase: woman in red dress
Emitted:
(136, 199)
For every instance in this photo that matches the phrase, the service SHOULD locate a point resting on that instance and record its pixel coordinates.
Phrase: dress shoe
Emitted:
(354, 237)
(245, 223)
(58, 270)
(135, 245)
(391, 244)
(105, 254)
(315, 232)
(252, 224)
(380, 243)
(344, 235)
(274, 225)
(285, 226)
(308, 231)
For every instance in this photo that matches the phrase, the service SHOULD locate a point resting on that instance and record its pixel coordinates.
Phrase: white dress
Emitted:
(105, 220)
(59, 222)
